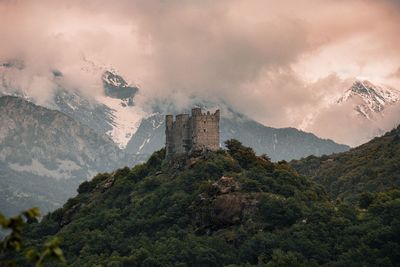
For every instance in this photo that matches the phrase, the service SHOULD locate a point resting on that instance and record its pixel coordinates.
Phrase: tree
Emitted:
(244, 155)
(14, 241)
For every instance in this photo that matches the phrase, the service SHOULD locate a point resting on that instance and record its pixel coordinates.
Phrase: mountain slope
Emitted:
(115, 116)
(45, 154)
(218, 209)
(139, 133)
(279, 144)
(373, 167)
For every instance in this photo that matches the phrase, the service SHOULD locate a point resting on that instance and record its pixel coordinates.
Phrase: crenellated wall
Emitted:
(205, 130)
(187, 134)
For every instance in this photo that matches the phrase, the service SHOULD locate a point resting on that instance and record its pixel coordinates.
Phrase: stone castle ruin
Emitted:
(191, 133)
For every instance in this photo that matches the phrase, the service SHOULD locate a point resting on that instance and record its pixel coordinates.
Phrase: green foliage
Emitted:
(14, 241)
(224, 208)
(365, 200)
(372, 167)
(280, 212)
(287, 259)
(244, 155)
(88, 186)
(139, 172)
(85, 187)
(50, 250)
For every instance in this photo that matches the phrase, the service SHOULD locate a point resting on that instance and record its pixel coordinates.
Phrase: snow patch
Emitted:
(143, 144)
(126, 119)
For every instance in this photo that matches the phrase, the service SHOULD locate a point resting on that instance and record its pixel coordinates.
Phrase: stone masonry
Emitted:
(187, 134)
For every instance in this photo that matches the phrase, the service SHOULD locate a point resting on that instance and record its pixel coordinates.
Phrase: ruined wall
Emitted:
(169, 142)
(187, 134)
(181, 134)
(205, 130)
(178, 139)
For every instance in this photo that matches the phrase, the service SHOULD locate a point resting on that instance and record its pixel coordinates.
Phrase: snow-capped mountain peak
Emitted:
(114, 113)
(369, 99)
(116, 87)
(112, 78)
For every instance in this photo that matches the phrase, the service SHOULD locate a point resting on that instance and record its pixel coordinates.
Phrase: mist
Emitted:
(283, 63)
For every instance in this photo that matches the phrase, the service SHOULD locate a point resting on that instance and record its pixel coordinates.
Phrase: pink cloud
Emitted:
(276, 61)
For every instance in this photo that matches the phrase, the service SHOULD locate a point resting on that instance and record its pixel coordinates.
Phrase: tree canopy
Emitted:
(224, 208)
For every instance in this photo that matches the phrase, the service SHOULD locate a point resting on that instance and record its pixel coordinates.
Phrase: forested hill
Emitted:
(222, 208)
(371, 167)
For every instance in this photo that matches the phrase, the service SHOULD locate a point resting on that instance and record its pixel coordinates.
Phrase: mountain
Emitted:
(112, 112)
(371, 167)
(117, 118)
(142, 133)
(44, 155)
(133, 135)
(82, 109)
(279, 144)
(139, 132)
(370, 100)
(150, 135)
(224, 208)
(115, 86)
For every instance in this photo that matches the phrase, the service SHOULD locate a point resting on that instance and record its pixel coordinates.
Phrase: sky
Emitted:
(283, 63)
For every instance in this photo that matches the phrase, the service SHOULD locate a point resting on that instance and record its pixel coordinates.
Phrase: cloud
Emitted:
(340, 121)
(395, 74)
(280, 62)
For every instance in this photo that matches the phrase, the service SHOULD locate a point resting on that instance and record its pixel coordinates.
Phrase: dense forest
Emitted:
(371, 167)
(224, 208)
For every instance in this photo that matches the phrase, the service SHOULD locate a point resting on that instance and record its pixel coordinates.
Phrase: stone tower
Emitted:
(187, 134)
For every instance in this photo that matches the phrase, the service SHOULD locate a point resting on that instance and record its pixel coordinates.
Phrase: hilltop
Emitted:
(228, 207)
(371, 167)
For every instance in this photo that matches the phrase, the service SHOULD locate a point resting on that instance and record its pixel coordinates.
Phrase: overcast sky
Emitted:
(280, 62)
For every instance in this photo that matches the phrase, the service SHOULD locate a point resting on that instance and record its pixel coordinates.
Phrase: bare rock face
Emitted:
(107, 183)
(230, 207)
(67, 217)
(224, 205)
(233, 208)
(226, 185)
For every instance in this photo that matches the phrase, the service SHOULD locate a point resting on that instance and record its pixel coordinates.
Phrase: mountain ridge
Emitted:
(371, 167)
(278, 143)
